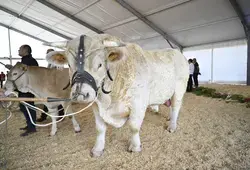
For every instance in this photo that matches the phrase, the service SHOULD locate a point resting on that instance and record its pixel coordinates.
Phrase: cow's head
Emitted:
(17, 78)
(89, 60)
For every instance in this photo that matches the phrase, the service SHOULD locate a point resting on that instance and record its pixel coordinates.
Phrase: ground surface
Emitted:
(211, 134)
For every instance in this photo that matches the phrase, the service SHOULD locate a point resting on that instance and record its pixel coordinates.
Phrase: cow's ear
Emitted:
(24, 67)
(57, 58)
(116, 55)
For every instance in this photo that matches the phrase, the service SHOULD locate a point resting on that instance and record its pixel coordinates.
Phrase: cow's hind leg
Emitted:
(101, 131)
(74, 122)
(176, 102)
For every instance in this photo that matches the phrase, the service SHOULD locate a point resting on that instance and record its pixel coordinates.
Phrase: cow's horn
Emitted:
(58, 44)
(112, 44)
(8, 66)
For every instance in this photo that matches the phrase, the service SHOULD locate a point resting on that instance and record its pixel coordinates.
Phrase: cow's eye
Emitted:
(14, 74)
(100, 65)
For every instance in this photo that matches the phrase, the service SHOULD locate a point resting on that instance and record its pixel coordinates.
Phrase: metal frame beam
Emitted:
(240, 14)
(68, 15)
(33, 22)
(149, 23)
(8, 58)
(21, 32)
(246, 27)
(248, 60)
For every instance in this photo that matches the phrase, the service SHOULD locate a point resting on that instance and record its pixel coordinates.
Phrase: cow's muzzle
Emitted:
(84, 78)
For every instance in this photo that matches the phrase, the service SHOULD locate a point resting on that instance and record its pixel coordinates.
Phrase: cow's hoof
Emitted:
(171, 128)
(95, 153)
(133, 148)
(52, 133)
(77, 129)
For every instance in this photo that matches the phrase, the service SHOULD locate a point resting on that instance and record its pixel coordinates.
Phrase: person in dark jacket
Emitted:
(25, 52)
(196, 73)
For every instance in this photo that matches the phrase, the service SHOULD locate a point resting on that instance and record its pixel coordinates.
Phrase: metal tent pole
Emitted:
(9, 46)
(212, 65)
(248, 59)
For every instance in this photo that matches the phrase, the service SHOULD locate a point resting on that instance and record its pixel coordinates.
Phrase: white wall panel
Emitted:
(230, 64)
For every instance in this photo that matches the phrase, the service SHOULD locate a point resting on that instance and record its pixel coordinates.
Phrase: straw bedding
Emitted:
(211, 134)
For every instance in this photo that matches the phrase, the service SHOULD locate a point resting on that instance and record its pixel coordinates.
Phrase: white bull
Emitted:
(42, 82)
(140, 79)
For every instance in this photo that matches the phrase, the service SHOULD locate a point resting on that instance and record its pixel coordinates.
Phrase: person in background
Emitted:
(60, 107)
(2, 78)
(25, 52)
(196, 73)
(191, 72)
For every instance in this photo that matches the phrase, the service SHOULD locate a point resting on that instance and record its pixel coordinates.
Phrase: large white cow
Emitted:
(125, 80)
(42, 82)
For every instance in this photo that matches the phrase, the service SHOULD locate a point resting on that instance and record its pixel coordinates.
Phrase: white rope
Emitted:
(7, 118)
(6, 107)
(44, 125)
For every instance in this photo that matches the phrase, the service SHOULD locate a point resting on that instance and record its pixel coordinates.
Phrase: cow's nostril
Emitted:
(86, 95)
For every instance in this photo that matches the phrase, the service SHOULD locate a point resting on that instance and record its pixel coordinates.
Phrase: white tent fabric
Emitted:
(189, 22)
(195, 25)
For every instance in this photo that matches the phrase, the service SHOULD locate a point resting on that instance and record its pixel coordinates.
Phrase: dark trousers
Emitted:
(1, 84)
(195, 76)
(190, 83)
(26, 115)
(25, 112)
(61, 112)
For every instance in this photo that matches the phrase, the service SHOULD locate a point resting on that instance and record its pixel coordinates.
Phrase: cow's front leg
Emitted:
(74, 122)
(53, 112)
(101, 131)
(135, 121)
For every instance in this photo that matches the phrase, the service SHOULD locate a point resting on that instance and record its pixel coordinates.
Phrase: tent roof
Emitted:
(149, 23)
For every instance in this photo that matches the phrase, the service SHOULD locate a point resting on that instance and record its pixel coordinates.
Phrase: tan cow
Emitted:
(43, 82)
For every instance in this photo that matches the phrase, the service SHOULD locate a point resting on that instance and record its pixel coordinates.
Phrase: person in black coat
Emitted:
(25, 52)
(196, 73)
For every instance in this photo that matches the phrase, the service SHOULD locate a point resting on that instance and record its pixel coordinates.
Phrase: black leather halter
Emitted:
(14, 81)
(82, 76)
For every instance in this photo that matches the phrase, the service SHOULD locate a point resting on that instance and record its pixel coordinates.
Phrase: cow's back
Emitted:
(49, 82)
(165, 68)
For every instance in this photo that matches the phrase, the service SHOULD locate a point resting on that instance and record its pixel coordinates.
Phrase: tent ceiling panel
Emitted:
(104, 13)
(41, 13)
(134, 31)
(153, 43)
(15, 5)
(57, 21)
(192, 14)
(27, 27)
(62, 30)
(50, 37)
(149, 7)
(6, 18)
(229, 30)
(73, 28)
(72, 6)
